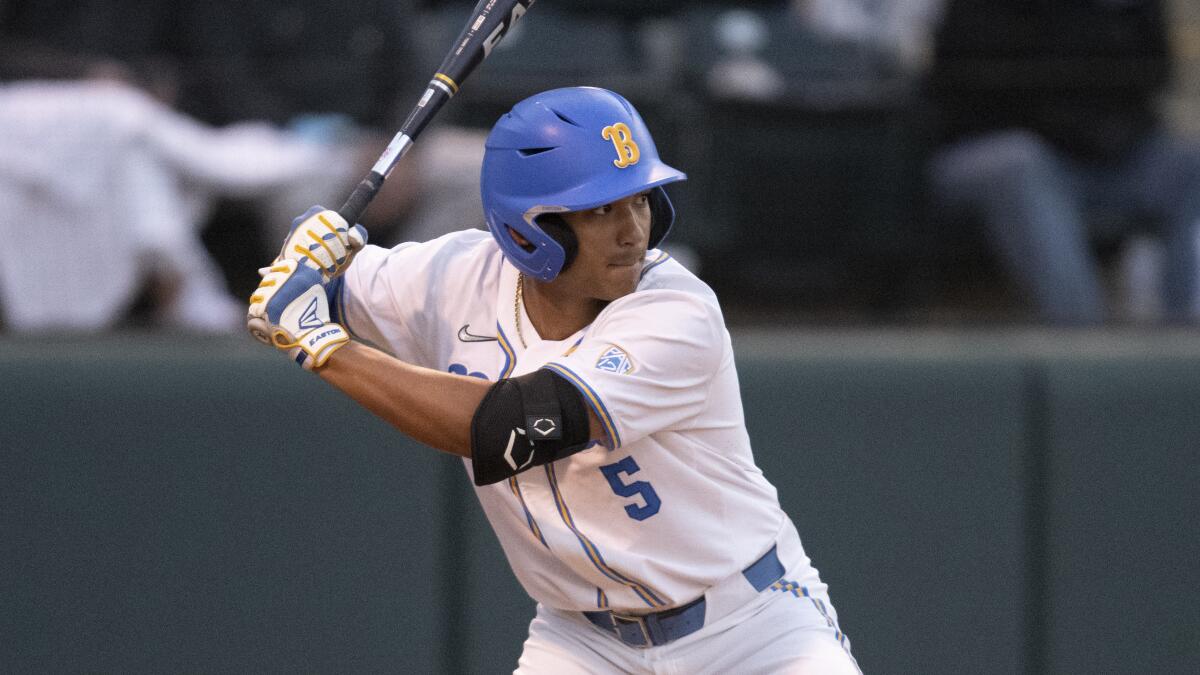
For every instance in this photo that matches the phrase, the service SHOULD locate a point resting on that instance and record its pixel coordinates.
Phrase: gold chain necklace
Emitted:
(517, 307)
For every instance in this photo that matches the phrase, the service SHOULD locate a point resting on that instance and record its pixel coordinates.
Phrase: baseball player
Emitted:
(588, 382)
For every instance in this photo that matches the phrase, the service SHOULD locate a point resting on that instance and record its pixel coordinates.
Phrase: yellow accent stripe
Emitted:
(321, 241)
(326, 223)
(502, 340)
(643, 591)
(802, 591)
(280, 339)
(309, 253)
(305, 252)
(663, 256)
(573, 347)
(533, 526)
(447, 80)
(606, 420)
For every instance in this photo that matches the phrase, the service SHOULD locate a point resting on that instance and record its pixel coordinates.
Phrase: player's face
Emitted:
(612, 247)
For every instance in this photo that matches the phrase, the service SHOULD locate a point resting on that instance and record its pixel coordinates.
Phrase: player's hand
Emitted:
(322, 239)
(290, 311)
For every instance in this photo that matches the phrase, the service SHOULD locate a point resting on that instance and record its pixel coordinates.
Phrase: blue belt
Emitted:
(659, 628)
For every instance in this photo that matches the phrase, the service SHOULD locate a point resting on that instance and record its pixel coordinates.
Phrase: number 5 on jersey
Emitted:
(612, 472)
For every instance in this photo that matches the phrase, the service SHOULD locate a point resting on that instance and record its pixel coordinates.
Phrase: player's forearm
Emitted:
(432, 407)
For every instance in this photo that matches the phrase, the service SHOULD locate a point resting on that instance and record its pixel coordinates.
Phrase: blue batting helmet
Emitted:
(567, 149)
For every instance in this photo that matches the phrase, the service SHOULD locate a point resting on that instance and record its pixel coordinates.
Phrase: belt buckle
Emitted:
(639, 621)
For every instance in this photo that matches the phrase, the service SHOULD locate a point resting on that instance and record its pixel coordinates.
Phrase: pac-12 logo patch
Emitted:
(615, 360)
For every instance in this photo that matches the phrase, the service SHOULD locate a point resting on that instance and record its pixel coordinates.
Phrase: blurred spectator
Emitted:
(741, 71)
(900, 28)
(334, 71)
(265, 105)
(111, 184)
(1049, 116)
(106, 189)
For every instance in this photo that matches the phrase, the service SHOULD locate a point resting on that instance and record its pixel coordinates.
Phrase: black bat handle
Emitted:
(353, 209)
(473, 45)
(367, 188)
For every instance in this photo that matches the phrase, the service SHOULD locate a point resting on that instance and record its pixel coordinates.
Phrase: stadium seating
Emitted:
(809, 169)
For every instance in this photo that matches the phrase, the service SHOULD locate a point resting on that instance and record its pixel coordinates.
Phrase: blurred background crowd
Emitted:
(849, 161)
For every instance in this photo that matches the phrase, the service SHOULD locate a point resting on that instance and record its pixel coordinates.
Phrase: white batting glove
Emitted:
(290, 311)
(322, 239)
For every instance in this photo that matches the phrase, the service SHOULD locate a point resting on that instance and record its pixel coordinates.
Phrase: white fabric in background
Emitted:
(100, 183)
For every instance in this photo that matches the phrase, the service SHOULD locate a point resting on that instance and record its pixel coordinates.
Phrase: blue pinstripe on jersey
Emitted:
(663, 257)
(573, 347)
(510, 357)
(642, 590)
(510, 362)
(533, 526)
(593, 400)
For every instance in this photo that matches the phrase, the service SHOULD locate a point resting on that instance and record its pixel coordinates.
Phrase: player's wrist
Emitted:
(313, 349)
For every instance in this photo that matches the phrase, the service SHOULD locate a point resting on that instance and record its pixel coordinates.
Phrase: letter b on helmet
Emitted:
(627, 150)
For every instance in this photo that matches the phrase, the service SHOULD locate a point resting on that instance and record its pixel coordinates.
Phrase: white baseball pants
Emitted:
(781, 631)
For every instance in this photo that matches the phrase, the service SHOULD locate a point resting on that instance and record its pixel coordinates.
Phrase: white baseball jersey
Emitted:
(672, 502)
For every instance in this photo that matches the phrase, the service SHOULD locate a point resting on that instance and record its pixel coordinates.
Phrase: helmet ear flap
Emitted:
(557, 228)
(662, 216)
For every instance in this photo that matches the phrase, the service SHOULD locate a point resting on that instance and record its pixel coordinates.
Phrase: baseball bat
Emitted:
(487, 25)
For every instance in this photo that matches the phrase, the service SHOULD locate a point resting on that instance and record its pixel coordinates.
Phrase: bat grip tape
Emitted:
(366, 190)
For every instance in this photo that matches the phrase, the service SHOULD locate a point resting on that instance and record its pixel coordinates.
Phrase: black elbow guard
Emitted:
(524, 422)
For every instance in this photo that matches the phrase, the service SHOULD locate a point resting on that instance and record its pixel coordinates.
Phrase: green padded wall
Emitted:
(1123, 544)
(905, 480)
(166, 510)
(983, 503)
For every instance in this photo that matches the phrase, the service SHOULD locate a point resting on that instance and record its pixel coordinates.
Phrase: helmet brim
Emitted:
(590, 196)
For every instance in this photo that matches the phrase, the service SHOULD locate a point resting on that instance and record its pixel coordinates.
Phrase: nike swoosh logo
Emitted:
(466, 336)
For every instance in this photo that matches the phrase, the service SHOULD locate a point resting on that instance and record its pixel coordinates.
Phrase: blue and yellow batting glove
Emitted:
(323, 239)
(290, 311)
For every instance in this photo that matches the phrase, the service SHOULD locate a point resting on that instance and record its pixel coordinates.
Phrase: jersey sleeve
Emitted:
(647, 363)
(379, 297)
